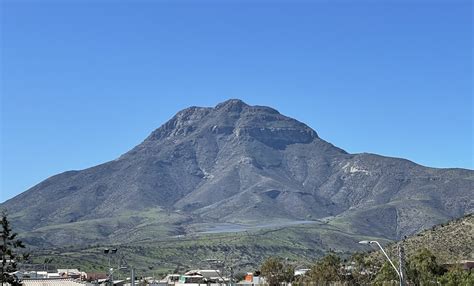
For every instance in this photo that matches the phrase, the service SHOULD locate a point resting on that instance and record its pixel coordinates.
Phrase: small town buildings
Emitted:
(69, 273)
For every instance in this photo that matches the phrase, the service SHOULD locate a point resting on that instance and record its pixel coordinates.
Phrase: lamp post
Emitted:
(108, 252)
(399, 273)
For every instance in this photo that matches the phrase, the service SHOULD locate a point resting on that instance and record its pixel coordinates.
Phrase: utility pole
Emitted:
(132, 280)
(401, 266)
(231, 276)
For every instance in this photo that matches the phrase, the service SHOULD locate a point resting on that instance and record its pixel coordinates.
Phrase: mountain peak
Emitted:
(234, 116)
(238, 105)
(232, 105)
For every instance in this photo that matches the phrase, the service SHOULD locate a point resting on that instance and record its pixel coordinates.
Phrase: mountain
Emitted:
(233, 168)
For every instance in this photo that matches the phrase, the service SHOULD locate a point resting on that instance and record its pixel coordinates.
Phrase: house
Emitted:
(69, 273)
(251, 279)
(93, 276)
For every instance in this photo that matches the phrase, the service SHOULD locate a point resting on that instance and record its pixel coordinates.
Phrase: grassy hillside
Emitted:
(129, 226)
(449, 242)
(244, 251)
(300, 245)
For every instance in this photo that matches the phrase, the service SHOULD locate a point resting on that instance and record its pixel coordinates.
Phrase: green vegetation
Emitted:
(243, 250)
(9, 247)
(298, 245)
(123, 228)
(327, 269)
(276, 271)
(457, 277)
(386, 273)
(422, 269)
(452, 241)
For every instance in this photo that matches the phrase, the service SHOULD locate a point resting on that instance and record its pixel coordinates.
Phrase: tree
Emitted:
(457, 277)
(46, 263)
(9, 258)
(362, 271)
(386, 274)
(327, 270)
(423, 268)
(276, 271)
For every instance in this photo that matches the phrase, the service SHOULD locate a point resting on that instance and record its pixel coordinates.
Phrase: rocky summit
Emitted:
(237, 167)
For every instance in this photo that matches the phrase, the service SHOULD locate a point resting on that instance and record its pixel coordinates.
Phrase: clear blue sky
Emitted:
(85, 81)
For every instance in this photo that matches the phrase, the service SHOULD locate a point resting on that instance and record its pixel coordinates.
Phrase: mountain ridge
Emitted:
(237, 163)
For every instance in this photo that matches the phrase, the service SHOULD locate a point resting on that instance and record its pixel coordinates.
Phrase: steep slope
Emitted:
(239, 164)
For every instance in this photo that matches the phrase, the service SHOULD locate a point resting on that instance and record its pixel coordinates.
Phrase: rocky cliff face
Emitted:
(237, 163)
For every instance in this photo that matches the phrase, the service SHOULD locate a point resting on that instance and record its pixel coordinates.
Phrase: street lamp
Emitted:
(109, 252)
(388, 258)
